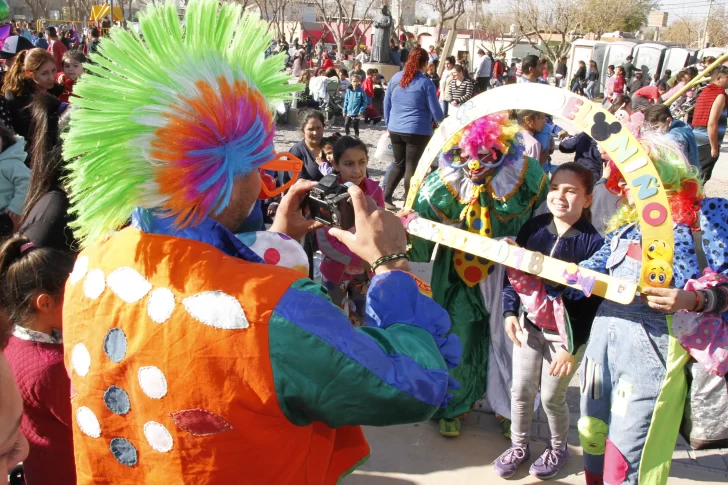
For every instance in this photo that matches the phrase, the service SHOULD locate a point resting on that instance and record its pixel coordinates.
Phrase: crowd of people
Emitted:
(171, 312)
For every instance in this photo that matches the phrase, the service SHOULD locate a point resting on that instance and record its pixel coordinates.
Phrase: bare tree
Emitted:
(683, 31)
(492, 31)
(275, 12)
(398, 13)
(602, 16)
(39, 8)
(446, 10)
(548, 25)
(343, 18)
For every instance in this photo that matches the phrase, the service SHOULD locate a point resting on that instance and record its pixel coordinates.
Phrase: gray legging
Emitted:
(531, 364)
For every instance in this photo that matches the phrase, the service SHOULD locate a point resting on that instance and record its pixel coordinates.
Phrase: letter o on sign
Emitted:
(658, 218)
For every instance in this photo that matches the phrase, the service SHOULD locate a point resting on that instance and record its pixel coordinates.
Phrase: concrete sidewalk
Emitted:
(417, 455)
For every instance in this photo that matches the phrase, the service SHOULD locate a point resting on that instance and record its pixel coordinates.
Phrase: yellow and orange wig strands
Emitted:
(680, 179)
(169, 122)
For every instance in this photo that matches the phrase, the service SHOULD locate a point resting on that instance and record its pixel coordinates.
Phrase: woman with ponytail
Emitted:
(46, 217)
(411, 109)
(33, 72)
(32, 281)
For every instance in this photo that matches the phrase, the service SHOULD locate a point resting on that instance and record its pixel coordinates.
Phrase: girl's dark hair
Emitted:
(75, 55)
(417, 59)
(25, 273)
(520, 115)
(346, 142)
(46, 160)
(585, 177)
(310, 114)
(330, 140)
(332, 72)
(450, 59)
(7, 137)
(657, 113)
(458, 68)
(619, 103)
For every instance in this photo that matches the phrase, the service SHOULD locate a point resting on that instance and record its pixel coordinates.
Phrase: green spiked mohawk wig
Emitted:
(168, 119)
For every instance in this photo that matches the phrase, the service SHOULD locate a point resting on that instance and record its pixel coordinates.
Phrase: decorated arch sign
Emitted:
(617, 141)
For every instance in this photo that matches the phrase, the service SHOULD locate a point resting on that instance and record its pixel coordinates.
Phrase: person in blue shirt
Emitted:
(41, 42)
(355, 104)
(411, 109)
(659, 119)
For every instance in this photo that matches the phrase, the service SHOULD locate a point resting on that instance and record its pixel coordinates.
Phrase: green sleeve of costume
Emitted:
(327, 370)
(517, 207)
(434, 202)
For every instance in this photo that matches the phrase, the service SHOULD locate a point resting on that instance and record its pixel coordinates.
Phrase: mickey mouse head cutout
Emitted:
(619, 143)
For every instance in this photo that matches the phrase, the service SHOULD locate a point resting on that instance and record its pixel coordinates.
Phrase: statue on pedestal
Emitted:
(380, 44)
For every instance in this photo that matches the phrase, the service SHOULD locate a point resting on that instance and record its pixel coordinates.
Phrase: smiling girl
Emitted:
(33, 72)
(540, 360)
(344, 273)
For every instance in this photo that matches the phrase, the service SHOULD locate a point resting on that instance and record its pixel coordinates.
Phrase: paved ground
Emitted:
(418, 455)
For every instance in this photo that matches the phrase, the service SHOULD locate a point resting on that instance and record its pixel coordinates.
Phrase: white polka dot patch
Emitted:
(160, 305)
(152, 382)
(94, 284)
(216, 309)
(88, 422)
(80, 359)
(158, 437)
(128, 284)
(79, 270)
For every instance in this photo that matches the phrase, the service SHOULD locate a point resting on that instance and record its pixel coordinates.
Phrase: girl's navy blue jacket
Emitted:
(578, 244)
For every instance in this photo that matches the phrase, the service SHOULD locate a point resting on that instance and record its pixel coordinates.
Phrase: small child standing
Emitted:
(344, 273)
(532, 123)
(544, 356)
(72, 70)
(344, 82)
(355, 103)
(31, 290)
(326, 166)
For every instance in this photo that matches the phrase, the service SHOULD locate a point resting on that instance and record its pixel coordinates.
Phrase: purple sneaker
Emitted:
(507, 464)
(549, 463)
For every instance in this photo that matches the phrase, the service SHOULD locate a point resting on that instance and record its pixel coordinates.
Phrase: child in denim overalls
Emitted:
(632, 379)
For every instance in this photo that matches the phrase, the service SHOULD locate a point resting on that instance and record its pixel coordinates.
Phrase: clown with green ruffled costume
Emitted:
(485, 185)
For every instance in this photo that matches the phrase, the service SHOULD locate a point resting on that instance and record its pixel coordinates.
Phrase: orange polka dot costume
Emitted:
(466, 193)
(197, 355)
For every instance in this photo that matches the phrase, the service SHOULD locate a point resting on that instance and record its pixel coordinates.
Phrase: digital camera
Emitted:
(330, 203)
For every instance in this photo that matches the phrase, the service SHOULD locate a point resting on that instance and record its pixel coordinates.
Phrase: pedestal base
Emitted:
(386, 70)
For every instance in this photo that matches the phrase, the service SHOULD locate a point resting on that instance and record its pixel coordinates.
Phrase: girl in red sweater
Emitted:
(32, 280)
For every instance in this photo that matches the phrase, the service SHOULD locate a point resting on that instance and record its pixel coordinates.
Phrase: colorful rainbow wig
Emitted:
(680, 179)
(169, 122)
(494, 132)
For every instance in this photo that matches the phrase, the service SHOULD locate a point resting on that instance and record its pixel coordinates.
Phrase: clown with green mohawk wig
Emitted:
(201, 356)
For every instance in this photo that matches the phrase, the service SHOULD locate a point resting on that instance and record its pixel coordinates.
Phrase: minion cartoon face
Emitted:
(659, 250)
(657, 273)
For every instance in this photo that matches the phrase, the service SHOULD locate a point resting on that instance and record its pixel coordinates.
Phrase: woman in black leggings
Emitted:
(411, 109)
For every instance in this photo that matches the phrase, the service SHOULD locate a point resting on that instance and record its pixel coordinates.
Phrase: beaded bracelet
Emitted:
(386, 259)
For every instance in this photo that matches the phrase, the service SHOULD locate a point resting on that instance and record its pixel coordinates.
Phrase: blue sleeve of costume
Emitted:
(685, 261)
(714, 223)
(569, 144)
(598, 261)
(394, 370)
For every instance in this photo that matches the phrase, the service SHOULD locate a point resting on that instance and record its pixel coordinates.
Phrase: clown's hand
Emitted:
(289, 216)
(378, 233)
